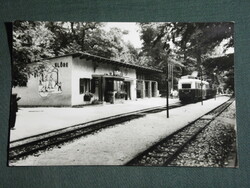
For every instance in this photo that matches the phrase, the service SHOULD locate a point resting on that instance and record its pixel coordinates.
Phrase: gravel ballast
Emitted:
(215, 146)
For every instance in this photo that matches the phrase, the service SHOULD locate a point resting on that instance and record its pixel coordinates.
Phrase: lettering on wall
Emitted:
(49, 81)
(117, 73)
(61, 64)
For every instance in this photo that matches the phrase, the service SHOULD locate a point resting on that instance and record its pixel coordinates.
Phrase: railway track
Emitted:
(28, 146)
(162, 153)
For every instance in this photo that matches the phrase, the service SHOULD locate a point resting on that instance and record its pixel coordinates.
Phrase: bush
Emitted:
(120, 95)
(88, 96)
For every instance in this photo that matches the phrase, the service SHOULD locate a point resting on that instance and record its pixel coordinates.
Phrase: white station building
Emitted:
(80, 79)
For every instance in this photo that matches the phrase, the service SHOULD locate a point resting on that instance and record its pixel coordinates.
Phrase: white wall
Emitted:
(85, 69)
(30, 95)
(69, 76)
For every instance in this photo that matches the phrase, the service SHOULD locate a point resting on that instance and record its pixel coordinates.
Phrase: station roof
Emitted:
(100, 59)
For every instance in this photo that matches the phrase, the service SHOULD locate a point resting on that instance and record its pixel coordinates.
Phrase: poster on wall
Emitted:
(141, 94)
(49, 82)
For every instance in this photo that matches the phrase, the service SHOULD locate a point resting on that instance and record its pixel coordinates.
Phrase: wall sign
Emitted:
(117, 73)
(61, 64)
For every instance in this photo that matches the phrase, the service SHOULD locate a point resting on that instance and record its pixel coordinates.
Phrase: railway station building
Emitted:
(81, 79)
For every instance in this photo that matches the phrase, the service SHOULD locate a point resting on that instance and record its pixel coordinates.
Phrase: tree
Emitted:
(157, 50)
(189, 43)
(31, 42)
(154, 44)
(221, 70)
(198, 40)
(120, 50)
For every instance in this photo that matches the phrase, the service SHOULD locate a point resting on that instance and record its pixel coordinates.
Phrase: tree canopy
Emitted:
(33, 41)
(188, 46)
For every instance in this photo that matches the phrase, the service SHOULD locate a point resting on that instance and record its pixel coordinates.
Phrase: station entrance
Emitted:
(111, 88)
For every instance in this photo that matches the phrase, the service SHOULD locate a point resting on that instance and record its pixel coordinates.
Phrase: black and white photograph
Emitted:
(123, 93)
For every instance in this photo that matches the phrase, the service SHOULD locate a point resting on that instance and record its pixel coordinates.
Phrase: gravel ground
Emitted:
(215, 146)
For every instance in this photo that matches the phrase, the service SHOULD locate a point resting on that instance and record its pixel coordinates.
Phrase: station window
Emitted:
(84, 85)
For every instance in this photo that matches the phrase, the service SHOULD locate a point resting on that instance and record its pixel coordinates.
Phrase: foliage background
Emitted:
(139, 11)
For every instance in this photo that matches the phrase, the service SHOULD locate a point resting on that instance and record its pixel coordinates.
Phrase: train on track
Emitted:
(192, 89)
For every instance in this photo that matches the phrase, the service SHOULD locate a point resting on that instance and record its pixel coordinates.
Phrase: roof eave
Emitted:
(105, 60)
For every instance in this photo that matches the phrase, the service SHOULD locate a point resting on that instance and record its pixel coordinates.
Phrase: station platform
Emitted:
(111, 146)
(38, 120)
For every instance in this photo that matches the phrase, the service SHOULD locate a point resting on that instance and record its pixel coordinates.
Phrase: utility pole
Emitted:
(198, 53)
(167, 90)
(172, 77)
(201, 88)
(214, 86)
(167, 50)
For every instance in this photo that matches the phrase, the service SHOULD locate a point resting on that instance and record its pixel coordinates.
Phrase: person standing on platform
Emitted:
(13, 110)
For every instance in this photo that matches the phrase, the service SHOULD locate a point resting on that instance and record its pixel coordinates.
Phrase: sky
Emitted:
(133, 29)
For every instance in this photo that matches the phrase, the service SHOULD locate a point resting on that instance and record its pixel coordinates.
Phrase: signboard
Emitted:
(61, 64)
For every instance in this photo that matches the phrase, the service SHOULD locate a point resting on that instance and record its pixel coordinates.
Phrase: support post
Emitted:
(156, 89)
(201, 89)
(214, 87)
(167, 92)
(149, 89)
(143, 89)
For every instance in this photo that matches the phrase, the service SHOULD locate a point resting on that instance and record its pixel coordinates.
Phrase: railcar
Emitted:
(192, 89)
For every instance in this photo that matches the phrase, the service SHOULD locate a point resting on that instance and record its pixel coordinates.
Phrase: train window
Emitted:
(196, 85)
(186, 86)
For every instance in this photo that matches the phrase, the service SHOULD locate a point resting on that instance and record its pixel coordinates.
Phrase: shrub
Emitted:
(88, 96)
